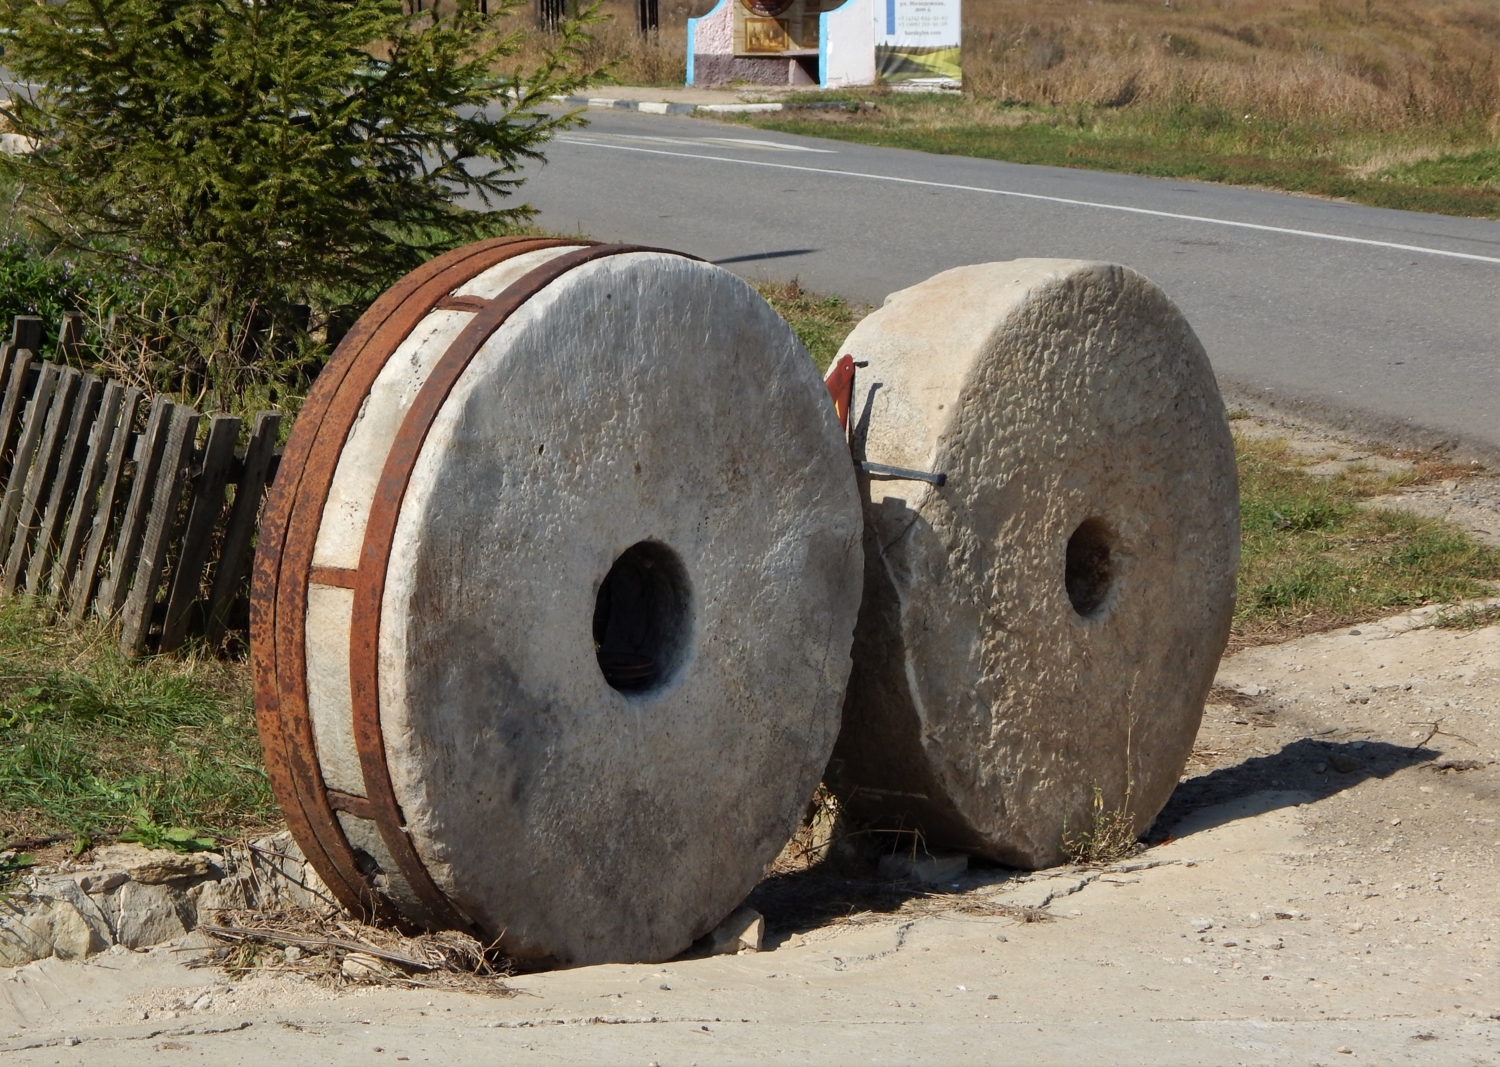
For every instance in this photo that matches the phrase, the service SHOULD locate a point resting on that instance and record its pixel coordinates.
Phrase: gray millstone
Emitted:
(991, 707)
(641, 399)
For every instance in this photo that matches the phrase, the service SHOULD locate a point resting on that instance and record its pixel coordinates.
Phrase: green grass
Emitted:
(820, 322)
(93, 745)
(1313, 557)
(1201, 143)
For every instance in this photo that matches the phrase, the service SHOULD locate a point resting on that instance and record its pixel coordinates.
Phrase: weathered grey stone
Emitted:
(655, 410)
(282, 877)
(37, 929)
(1047, 624)
(151, 914)
(236, 891)
(743, 931)
(90, 906)
(101, 881)
(160, 866)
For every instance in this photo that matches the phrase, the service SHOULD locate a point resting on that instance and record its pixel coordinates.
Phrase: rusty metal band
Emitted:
(380, 532)
(283, 562)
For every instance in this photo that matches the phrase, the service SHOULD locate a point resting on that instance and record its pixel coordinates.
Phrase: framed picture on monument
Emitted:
(766, 35)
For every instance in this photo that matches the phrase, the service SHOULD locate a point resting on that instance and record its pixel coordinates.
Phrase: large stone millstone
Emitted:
(554, 600)
(1048, 622)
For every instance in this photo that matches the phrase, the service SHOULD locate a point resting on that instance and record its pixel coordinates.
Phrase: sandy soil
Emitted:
(1325, 891)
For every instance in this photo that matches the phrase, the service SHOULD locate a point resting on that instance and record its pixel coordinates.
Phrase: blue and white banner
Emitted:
(918, 43)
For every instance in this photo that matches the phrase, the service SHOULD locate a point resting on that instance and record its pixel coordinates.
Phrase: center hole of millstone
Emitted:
(1090, 569)
(642, 618)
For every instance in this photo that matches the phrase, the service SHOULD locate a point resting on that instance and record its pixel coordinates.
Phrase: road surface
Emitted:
(1386, 321)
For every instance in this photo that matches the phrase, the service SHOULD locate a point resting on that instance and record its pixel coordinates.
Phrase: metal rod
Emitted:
(880, 470)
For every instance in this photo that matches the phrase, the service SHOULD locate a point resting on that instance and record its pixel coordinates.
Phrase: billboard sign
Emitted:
(917, 43)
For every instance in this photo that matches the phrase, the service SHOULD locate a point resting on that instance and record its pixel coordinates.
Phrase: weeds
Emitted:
(1110, 837)
(820, 322)
(1314, 556)
(13, 864)
(93, 744)
(1466, 617)
(150, 833)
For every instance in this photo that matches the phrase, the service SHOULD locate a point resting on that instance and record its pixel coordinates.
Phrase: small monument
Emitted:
(828, 44)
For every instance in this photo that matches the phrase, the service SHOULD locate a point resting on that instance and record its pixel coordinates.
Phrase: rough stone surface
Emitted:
(55, 928)
(641, 398)
(159, 866)
(150, 914)
(75, 913)
(743, 931)
(985, 707)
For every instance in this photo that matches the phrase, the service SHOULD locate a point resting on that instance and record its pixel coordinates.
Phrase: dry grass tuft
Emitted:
(616, 47)
(1111, 837)
(341, 951)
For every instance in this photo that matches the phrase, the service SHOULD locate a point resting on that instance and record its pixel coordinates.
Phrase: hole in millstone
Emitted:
(642, 618)
(1090, 571)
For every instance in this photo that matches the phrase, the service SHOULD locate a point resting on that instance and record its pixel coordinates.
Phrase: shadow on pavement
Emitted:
(1303, 771)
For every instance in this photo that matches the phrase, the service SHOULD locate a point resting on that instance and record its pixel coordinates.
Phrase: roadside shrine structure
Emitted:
(827, 44)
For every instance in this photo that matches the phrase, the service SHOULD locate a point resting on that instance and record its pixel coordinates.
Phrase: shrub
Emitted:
(248, 158)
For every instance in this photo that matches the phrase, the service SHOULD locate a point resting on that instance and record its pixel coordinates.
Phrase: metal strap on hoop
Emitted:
(284, 562)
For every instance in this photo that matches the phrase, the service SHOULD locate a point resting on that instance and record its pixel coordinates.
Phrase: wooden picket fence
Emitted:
(111, 504)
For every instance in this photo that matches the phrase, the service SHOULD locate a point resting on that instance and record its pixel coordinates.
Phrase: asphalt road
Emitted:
(1387, 321)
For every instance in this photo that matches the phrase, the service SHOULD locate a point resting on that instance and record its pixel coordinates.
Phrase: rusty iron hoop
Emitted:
(284, 569)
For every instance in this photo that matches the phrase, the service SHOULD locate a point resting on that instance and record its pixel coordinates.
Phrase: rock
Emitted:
(743, 931)
(618, 545)
(1202, 926)
(359, 967)
(160, 866)
(1250, 691)
(35, 929)
(93, 907)
(924, 868)
(236, 891)
(1344, 764)
(292, 953)
(151, 914)
(101, 881)
(1044, 627)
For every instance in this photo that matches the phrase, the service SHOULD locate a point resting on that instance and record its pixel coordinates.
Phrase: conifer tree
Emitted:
(252, 155)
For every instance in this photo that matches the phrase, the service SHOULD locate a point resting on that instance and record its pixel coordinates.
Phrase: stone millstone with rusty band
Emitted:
(1043, 628)
(554, 600)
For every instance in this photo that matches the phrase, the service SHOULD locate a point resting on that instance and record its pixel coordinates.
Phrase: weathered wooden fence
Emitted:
(112, 504)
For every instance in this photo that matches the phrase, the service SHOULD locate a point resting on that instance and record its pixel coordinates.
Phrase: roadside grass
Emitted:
(93, 745)
(1452, 170)
(1314, 557)
(820, 322)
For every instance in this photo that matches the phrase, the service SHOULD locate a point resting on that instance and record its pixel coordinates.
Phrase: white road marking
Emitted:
(1316, 234)
(698, 142)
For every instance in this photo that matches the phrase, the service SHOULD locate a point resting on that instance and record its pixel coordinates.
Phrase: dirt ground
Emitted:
(1324, 888)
